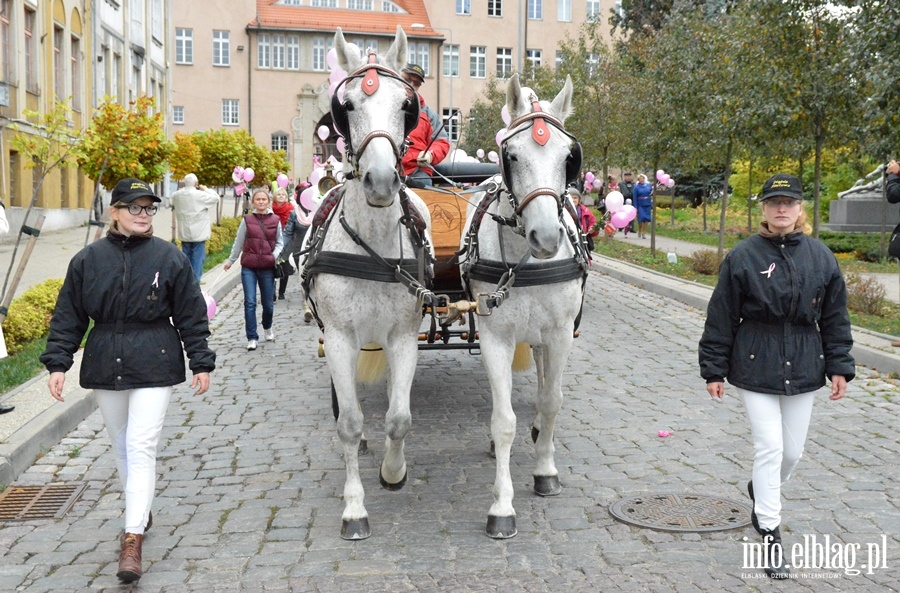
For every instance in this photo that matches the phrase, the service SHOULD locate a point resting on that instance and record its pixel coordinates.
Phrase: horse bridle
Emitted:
(540, 133)
(370, 84)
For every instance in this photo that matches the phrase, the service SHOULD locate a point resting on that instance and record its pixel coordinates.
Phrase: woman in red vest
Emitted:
(258, 244)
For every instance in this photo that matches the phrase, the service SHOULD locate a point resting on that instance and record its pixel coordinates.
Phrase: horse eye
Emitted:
(349, 106)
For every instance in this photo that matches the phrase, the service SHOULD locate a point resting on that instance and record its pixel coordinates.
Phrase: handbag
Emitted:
(283, 269)
(894, 244)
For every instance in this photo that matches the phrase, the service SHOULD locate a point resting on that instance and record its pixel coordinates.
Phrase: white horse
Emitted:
(526, 262)
(352, 269)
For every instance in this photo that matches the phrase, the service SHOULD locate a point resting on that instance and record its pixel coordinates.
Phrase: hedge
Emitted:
(29, 315)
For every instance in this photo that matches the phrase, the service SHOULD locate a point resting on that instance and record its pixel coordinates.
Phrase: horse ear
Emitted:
(562, 104)
(514, 102)
(396, 56)
(347, 53)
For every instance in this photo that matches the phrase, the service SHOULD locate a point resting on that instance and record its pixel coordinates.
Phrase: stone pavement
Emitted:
(251, 476)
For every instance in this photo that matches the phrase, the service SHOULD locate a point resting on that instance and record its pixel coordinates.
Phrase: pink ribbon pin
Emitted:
(768, 272)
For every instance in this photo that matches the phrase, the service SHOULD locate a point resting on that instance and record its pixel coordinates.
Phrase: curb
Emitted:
(697, 295)
(49, 427)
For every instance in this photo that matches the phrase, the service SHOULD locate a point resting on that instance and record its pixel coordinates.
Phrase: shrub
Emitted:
(864, 294)
(29, 315)
(222, 234)
(706, 261)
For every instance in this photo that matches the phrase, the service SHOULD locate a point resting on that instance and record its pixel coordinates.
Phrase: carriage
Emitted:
(367, 279)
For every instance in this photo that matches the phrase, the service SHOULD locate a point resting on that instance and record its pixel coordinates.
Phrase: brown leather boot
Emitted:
(130, 558)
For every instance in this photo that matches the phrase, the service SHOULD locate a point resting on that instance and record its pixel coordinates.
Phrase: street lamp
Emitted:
(451, 119)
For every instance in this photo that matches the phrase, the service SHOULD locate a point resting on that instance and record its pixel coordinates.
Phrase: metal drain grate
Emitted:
(681, 512)
(51, 501)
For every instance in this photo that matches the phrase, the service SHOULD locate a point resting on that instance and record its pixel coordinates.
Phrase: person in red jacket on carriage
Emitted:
(428, 143)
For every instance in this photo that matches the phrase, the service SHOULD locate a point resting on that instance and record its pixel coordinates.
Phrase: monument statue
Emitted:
(867, 187)
(861, 207)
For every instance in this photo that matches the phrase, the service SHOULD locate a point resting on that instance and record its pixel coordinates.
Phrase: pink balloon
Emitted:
(306, 198)
(619, 220)
(660, 173)
(317, 174)
(614, 201)
(340, 145)
(336, 76)
(499, 137)
(331, 88)
(323, 132)
(588, 186)
(331, 58)
(480, 153)
(238, 174)
(589, 177)
(670, 182)
(492, 156)
(629, 211)
(282, 180)
(210, 305)
(249, 174)
(504, 115)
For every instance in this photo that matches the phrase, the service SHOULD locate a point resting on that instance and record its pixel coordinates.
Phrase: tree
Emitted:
(185, 156)
(125, 142)
(484, 118)
(222, 150)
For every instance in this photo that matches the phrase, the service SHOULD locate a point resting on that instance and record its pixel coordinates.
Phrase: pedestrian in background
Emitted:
(258, 243)
(585, 218)
(626, 188)
(893, 182)
(191, 204)
(283, 209)
(142, 296)
(643, 201)
(777, 326)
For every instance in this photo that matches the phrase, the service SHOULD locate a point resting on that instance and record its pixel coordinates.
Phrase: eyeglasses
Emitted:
(412, 81)
(135, 209)
(779, 202)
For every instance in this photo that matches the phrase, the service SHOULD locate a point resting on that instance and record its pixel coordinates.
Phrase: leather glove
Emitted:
(424, 157)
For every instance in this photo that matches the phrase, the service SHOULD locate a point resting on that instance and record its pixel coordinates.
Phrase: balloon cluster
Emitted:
(663, 178)
(589, 180)
(242, 176)
(621, 213)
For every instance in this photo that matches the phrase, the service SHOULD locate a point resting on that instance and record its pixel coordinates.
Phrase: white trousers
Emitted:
(779, 424)
(134, 421)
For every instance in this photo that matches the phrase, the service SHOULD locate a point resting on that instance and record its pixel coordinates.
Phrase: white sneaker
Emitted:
(251, 345)
(270, 335)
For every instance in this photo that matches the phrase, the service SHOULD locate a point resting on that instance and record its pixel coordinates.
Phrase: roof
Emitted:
(272, 15)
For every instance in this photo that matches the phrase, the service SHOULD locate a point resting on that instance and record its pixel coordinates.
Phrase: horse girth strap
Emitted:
(533, 274)
(362, 267)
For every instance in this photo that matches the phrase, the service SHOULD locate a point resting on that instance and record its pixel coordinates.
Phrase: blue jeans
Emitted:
(196, 253)
(265, 278)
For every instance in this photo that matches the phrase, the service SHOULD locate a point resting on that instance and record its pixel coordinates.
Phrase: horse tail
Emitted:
(371, 365)
(522, 358)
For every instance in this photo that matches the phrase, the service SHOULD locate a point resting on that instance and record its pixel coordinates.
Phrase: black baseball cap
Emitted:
(781, 185)
(130, 189)
(415, 70)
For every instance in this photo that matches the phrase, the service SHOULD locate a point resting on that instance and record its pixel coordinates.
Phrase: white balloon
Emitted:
(492, 156)
(504, 115)
(614, 201)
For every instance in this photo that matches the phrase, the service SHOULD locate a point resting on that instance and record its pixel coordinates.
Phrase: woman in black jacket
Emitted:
(144, 300)
(777, 325)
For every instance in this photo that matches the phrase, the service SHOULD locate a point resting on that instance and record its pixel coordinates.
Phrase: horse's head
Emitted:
(538, 159)
(375, 115)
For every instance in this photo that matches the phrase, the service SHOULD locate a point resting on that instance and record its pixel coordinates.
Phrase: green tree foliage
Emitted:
(484, 119)
(125, 142)
(220, 151)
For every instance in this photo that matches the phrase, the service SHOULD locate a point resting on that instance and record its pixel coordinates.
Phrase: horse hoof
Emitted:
(547, 485)
(534, 434)
(392, 487)
(363, 446)
(355, 529)
(501, 527)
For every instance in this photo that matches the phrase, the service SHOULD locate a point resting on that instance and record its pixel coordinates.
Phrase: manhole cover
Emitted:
(681, 512)
(51, 501)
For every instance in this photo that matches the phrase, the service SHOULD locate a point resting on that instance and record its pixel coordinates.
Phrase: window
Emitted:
(59, 76)
(279, 141)
(504, 62)
(221, 48)
(535, 9)
(184, 46)
(292, 2)
(31, 75)
(365, 45)
(419, 54)
(156, 21)
(451, 123)
(359, 4)
(321, 45)
(451, 60)
(293, 52)
(495, 7)
(477, 61)
(178, 115)
(6, 59)
(564, 11)
(534, 57)
(593, 10)
(463, 6)
(389, 7)
(229, 112)
(263, 51)
(76, 62)
(278, 51)
(323, 3)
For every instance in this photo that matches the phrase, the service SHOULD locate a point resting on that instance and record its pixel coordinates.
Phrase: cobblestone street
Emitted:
(251, 475)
